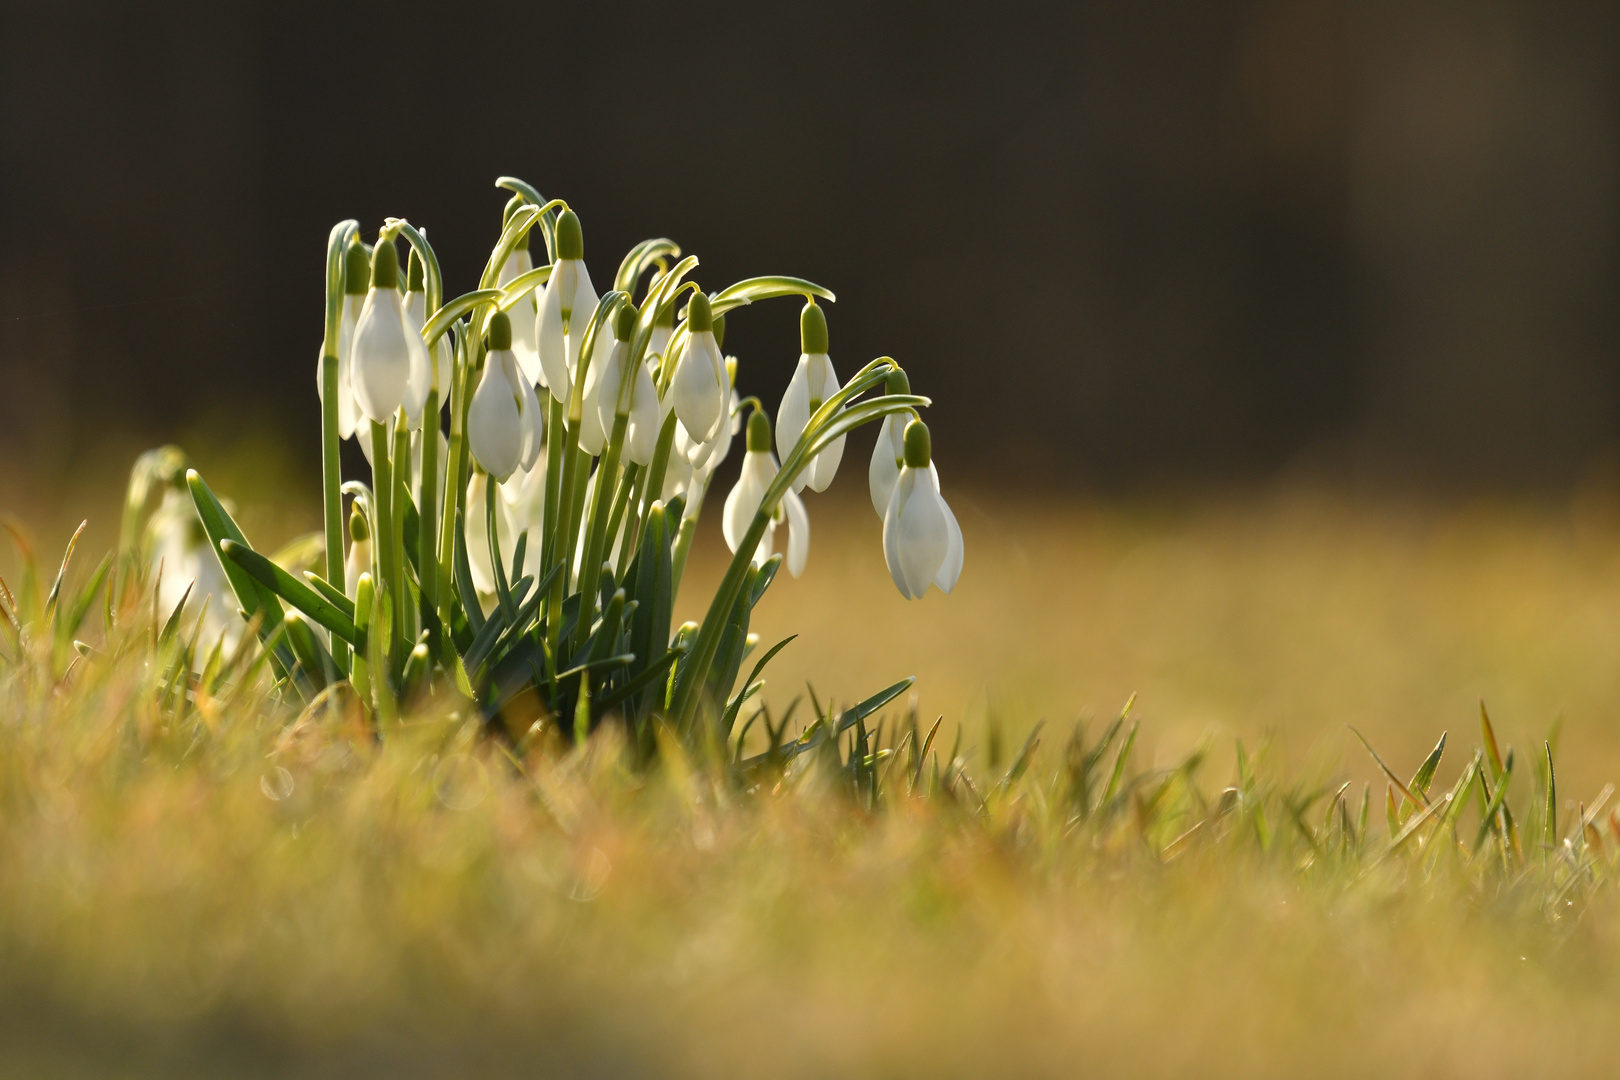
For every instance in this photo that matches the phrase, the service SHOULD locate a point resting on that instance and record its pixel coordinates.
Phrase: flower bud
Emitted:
(919, 449)
(570, 240)
(356, 270)
(385, 265)
(359, 529)
(812, 329)
(416, 276)
(500, 331)
(699, 314)
(759, 432)
(624, 321)
(898, 383)
(514, 204)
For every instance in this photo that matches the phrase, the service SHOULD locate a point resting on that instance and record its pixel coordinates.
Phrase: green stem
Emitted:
(400, 465)
(695, 669)
(695, 494)
(452, 470)
(382, 494)
(626, 505)
(331, 445)
(590, 570)
(427, 502)
(660, 464)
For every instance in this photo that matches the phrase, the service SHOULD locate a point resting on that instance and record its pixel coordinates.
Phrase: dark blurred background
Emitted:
(1122, 243)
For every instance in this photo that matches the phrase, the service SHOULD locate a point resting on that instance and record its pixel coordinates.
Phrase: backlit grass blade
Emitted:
(290, 589)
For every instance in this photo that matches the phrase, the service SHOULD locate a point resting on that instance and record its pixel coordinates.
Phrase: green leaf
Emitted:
(455, 309)
(735, 707)
(519, 288)
(67, 626)
(1425, 774)
(639, 258)
(1550, 826)
(290, 589)
(331, 592)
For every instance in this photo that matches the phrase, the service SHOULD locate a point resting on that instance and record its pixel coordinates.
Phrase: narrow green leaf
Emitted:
(290, 589)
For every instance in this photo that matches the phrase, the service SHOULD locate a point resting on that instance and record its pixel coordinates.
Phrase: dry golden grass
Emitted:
(223, 890)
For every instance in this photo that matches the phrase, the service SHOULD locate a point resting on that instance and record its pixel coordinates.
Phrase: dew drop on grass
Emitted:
(461, 781)
(276, 784)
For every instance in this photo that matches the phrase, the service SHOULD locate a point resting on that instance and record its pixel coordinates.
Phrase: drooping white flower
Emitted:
(813, 382)
(644, 417)
(525, 314)
(358, 560)
(503, 419)
(699, 388)
(523, 505)
(190, 570)
(381, 368)
(890, 452)
(565, 309)
(759, 468)
(475, 526)
(922, 544)
(356, 280)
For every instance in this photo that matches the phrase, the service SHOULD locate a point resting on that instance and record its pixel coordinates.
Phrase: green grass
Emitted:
(198, 880)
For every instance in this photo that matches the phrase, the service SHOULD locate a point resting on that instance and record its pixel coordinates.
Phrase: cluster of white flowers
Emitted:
(534, 349)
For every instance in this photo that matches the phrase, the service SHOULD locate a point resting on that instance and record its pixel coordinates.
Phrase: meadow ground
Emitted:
(227, 889)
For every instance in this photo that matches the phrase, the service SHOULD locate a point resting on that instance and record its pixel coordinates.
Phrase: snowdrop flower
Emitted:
(476, 529)
(523, 506)
(181, 553)
(383, 360)
(759, 468)
(359, 558)
(525, 315)
(641, 436)
(503, 418)
(428, 367)
(921, 541)
(356, 280)
(698, 390)
(565, 310)
(812, 383)
(890, 452)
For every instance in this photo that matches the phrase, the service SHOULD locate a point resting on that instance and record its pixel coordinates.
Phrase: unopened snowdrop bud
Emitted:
(421, 378)
(813, 382)
(503, 418)
(759, 468)
(565, 310)
(641, 433)
(663, 328)
(381, 368)
(359, 560)
(699, 388)
(922, 543)
(889, 453)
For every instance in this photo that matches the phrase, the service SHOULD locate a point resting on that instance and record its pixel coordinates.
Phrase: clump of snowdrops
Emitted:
(539, 458)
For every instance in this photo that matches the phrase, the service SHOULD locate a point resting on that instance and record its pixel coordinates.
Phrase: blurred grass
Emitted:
(237, 896)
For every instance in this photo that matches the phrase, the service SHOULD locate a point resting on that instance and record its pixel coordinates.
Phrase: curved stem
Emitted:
(337, 244)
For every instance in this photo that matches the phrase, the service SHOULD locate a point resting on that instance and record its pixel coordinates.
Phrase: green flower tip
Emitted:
(812, 329)
(665, 316)
(416, 276)
(570, 241)
(898, 383)
(356, 270)
(512, 206)
(919, 448)
(699, 315)
(500, 331)
(385, 265)
(624, 321)
(759, 431)
(359, 531)
(719, 331)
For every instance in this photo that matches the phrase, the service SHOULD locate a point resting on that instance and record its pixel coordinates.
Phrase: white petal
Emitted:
(924, 536)
(823, 385)
(677, 477)
(886, 458)
(706, 457)
(348, 411)
(645, 420)
(420, 380)
(611, 381)
(951, 568)
(525, 325)
(358, 562)
(476, 528)
(552, 343)
(824, 465)
(699, 390)
(592, 437)
(891, 531)
(534, 426)
(577, 290)
(382, 362)
(494, 425)
(794, 412)
(743, 503)
(798, 545)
